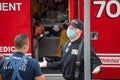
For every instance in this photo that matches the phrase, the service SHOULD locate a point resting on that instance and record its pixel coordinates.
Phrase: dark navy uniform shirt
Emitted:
(69, 58)
(28, 71)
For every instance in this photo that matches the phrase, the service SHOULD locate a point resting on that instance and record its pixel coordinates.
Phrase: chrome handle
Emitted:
(94, 35)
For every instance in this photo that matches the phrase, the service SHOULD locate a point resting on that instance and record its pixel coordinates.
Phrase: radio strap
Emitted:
(78, 58)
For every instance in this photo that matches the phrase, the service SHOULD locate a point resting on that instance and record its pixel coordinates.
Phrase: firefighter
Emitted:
(70, 52)
(63, 38)
(18, 66)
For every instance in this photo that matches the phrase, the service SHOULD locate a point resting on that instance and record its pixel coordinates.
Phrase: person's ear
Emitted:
(24, 47)
(79, 32)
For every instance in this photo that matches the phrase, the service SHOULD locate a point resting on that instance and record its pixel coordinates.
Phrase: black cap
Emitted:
(77, 24)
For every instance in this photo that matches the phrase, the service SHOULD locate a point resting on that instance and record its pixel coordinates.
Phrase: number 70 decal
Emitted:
(107, 6)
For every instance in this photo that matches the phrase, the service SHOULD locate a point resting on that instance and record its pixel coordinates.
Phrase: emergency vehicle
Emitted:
(16, 18)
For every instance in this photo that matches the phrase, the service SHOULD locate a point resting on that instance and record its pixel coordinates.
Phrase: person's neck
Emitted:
(74, 39)
(19, 50)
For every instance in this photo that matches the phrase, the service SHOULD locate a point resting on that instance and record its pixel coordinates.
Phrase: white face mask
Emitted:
(56, 28)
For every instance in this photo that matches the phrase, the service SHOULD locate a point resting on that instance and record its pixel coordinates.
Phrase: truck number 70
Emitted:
(107, 6)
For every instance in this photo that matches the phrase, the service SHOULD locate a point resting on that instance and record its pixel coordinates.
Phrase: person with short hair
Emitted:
(18, 66)
(70, 52)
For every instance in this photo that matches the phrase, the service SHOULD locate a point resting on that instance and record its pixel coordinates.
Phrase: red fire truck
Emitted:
(16, 18)
(104, 25)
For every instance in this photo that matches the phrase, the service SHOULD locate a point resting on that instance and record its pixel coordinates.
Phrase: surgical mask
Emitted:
(70, 33)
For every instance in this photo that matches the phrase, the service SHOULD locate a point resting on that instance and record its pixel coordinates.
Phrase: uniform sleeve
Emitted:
(0, 69)
(95, 61)
(1, 62)
(55, 65)
(37, 69)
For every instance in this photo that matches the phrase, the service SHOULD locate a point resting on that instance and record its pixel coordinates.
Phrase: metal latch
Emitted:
(94, 35)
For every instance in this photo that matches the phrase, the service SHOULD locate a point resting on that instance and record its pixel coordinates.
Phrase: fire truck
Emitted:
(16, 18)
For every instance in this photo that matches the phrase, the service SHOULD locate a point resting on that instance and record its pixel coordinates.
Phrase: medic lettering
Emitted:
(10, 6)
(7, 48)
